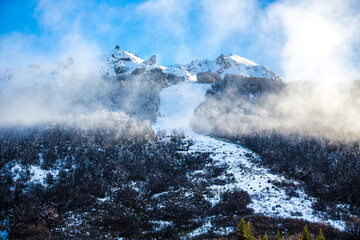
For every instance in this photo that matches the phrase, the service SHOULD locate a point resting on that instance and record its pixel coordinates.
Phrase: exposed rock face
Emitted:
(243, 86)
(127, 59)
(208, 77)
(151, 60)
(138, 71)
(120, 68)
(173, 79)
(164, 79)
(223, 61)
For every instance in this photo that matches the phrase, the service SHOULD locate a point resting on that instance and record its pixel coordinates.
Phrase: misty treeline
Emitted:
(138, 94)
(304, 130)
(77, 100)
(238, 105)
(99, 185)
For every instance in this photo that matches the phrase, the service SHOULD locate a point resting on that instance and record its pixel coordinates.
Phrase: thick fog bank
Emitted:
(238, 105)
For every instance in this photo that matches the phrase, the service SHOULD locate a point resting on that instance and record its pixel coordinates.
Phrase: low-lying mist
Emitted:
(237, 106)
(70, 95)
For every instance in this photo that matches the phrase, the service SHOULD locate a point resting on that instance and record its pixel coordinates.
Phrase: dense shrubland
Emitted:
(330, 169)
(101, 185)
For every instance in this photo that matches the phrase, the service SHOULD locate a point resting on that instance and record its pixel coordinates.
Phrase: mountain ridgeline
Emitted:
(118, 81)
(80, 158)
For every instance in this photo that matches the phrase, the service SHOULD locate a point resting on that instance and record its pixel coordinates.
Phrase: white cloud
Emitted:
(57, 15)
(319, 38)
(19, 50)
(195, 29)
(166, 16)
(221, 19)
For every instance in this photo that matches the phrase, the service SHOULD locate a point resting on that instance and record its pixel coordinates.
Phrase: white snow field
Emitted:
(177, 105)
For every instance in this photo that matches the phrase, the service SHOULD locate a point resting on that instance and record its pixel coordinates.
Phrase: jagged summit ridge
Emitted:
(231, 64)
(126, 62)
(119, 62)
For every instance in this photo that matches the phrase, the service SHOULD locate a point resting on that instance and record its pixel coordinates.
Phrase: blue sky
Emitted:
(278, 34)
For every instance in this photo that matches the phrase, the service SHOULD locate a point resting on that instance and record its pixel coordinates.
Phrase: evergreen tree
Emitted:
(241, 230)
(265, 237)
(278, 236)
(305, 234)
(320, 236)
(251, 234)
(244, 231)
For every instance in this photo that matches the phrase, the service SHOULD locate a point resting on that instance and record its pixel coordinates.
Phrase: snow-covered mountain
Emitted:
(120, 62)
(211, 181)
(231, 64)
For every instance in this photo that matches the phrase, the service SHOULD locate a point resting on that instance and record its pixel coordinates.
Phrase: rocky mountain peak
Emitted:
(151, 60)
(223, 61)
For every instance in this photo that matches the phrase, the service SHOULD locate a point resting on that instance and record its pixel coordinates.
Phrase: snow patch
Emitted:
(37, 175)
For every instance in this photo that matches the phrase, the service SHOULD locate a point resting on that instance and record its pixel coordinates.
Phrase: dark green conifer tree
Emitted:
(320, 236)
(278, 236)
(244, 231)
(305, 234)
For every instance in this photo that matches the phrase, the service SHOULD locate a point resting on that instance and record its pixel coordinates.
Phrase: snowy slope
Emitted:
(268, 196)
(231, 64)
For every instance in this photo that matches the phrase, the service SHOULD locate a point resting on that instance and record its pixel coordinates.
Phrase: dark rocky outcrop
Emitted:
(137, 94)
(223, 61)
(138, 71)
(151, 60)
(208, 77)
(127, 59)
(120, 68)
(240, 85)
(235, 105)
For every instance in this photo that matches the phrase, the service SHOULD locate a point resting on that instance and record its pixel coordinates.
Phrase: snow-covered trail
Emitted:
(176, 108)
